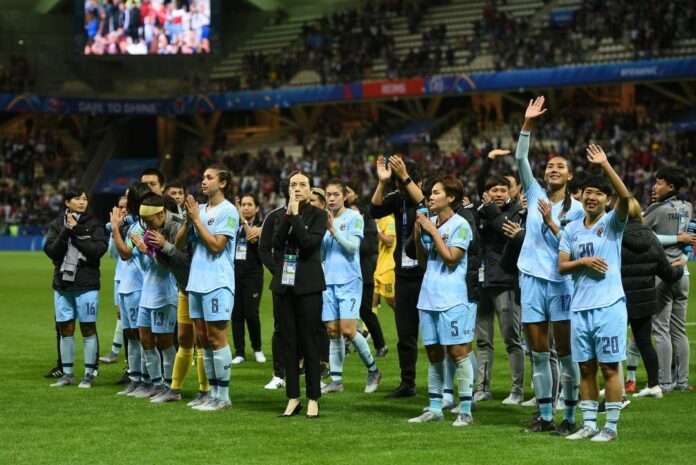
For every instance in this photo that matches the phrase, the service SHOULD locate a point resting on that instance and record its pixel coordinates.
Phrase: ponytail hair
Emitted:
(224, 175)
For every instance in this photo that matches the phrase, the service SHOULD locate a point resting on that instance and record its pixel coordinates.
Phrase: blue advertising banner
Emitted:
(117, 175)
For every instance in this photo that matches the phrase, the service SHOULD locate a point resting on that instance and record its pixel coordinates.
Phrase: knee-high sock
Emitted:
(117, 342)
(209, 365)
(135, 360)
(67, 354)
(570, 383)
(474, 363)
(632, 359)
(448, 382)
(589, 413)
(223, 363)
(337, 354)
(182, 364)
(91, 351)
(542, 384)
(465, 382)
(203, 385)
(436, 375)
(613, 411)
(143, 366)
(363, 349)
(168, 356)
(154, 366)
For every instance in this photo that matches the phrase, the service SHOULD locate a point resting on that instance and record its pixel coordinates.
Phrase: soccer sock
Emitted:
(89, 346)
(143, 365)
(363, 349)
(223, 362)
(589, 413)
(613, 411)
(209, 365)
(168, 356)
(465, 382)
(117, 343)
(135, 360)
(632, 359)
(474, 364)
(337, 353)
(448, 382)
(570, 384)
(67, 354)
(182, 364)
(154, 366)
(203, 385)
(542, 384)
(436, 374)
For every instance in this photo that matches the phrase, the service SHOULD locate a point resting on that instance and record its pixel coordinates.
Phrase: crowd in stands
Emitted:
(16, 75)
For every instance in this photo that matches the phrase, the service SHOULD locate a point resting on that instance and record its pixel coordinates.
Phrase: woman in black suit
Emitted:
(298, 287)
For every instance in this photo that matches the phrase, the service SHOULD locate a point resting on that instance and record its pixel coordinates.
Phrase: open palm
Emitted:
(595, 154)
(535, 108)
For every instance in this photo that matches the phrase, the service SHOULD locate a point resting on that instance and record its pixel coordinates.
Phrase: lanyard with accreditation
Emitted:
(289, 262)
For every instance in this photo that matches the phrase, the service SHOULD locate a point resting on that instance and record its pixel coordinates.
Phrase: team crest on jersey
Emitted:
(600, 231)
(445, 236)
(343, 227)
(211, 221)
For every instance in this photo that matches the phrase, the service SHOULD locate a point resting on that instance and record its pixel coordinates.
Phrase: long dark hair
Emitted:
(136, 192)
(568, 197)
(224, 175)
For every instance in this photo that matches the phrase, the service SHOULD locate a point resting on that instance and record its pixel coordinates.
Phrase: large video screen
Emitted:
(146, 27)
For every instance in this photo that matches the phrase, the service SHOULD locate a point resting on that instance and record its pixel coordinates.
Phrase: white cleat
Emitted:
(654, 391)
(214, 405)
(463, 420)
(64, 380)
(201, 398)
(427, 416)
(132, 386)
(513, 399)
(275, 383)
(605, 435)
(529, 403)
(260, 358)
(583, 433)
(373, 379)
(237, 360)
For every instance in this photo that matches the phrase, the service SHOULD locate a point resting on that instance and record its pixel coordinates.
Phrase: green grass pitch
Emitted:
(64, 426)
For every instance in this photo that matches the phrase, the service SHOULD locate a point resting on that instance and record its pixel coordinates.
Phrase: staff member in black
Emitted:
(298, 283)
(248, 278)
(402, 203)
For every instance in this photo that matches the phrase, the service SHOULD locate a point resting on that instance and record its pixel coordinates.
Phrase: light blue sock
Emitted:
(613, 411)
(168, 356)
(89, 346)
(543, 384)
(337, 354)
(67, 354)
(448, 384)
(135, 360)
(154, 366)
(223, 363)
(589, 413)
(632, 360)
(465, 382)
(436, 376)
(363, 349)
(474, 363)
(143, 367)
(570, 385)
(209, 365)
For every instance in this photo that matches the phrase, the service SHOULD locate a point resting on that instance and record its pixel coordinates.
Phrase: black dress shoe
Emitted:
(55, 372)
(404, 390)
(124, 379)
(295, 411)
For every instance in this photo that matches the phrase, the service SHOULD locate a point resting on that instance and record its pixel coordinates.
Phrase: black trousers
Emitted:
(642, 330)
(276, 340)
(406, 292)
(369, 318)
(300, 317)
(247, 299)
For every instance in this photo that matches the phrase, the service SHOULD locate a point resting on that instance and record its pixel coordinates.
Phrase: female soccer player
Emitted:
(545, 293)
(447, 318)
(590, 250)
(212, 227)
(75, 243)
(249, 281)
(341, 256)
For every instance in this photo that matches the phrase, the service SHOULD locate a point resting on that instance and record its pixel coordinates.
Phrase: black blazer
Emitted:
(308, 230)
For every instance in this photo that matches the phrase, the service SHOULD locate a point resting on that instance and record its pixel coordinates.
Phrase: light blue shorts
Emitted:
(160, 320)
(117, 301)
(454, 326)
(128, 306)
(216, 305)
(76, 305)
(342, 301)
(599, 333)
(544, 300)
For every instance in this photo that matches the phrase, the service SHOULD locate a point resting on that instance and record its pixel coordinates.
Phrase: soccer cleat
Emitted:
(132, 386)
(529, 403)
(325, 372)
(654, 391)
(238, 359)
(157, 390)
(55, 372)
(605, 435)
(630, 386)
(143, 392)
(427, 416)
(65, 380)
(540, 426)
(86, 382)
(373, 379)
(566, 428)
(168, 396)
(109, 358)
(404, 390)
(333, 386)
(201, 398)
(482, 396)
(683, 387)
(583, 433)
(125, 378)
(463, 420)
(381, 353)
(275, 383)
(260, 358)
(513, 399)
(214, 405)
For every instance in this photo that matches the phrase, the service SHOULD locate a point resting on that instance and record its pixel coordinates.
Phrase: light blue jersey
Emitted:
(341, 265)
(159, 287)
(444, 287)
(131, 271)
(592, 289)
(210, 271)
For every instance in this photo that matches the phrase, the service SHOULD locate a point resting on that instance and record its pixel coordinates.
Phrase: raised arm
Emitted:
(486, 169)
(399, 168)
(534, 110)
(596, 156)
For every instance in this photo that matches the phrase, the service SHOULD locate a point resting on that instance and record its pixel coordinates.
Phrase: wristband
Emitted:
(407, 181)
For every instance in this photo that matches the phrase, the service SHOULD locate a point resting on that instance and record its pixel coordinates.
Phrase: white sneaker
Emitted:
(427, 416)
(237, 360)
(214, 405)
(275, 383)
(654, 391)
(583, 433)
(260, 358)
(463, 420)
(482, 396)
(606, 435)
(513, 399)
(529, 403)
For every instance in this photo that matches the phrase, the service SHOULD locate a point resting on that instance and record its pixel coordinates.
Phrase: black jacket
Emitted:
(369, 250)
(270, 223)
(642, 257)
(493, 240)
(89, 237)
(308, 229)
(251, 267)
